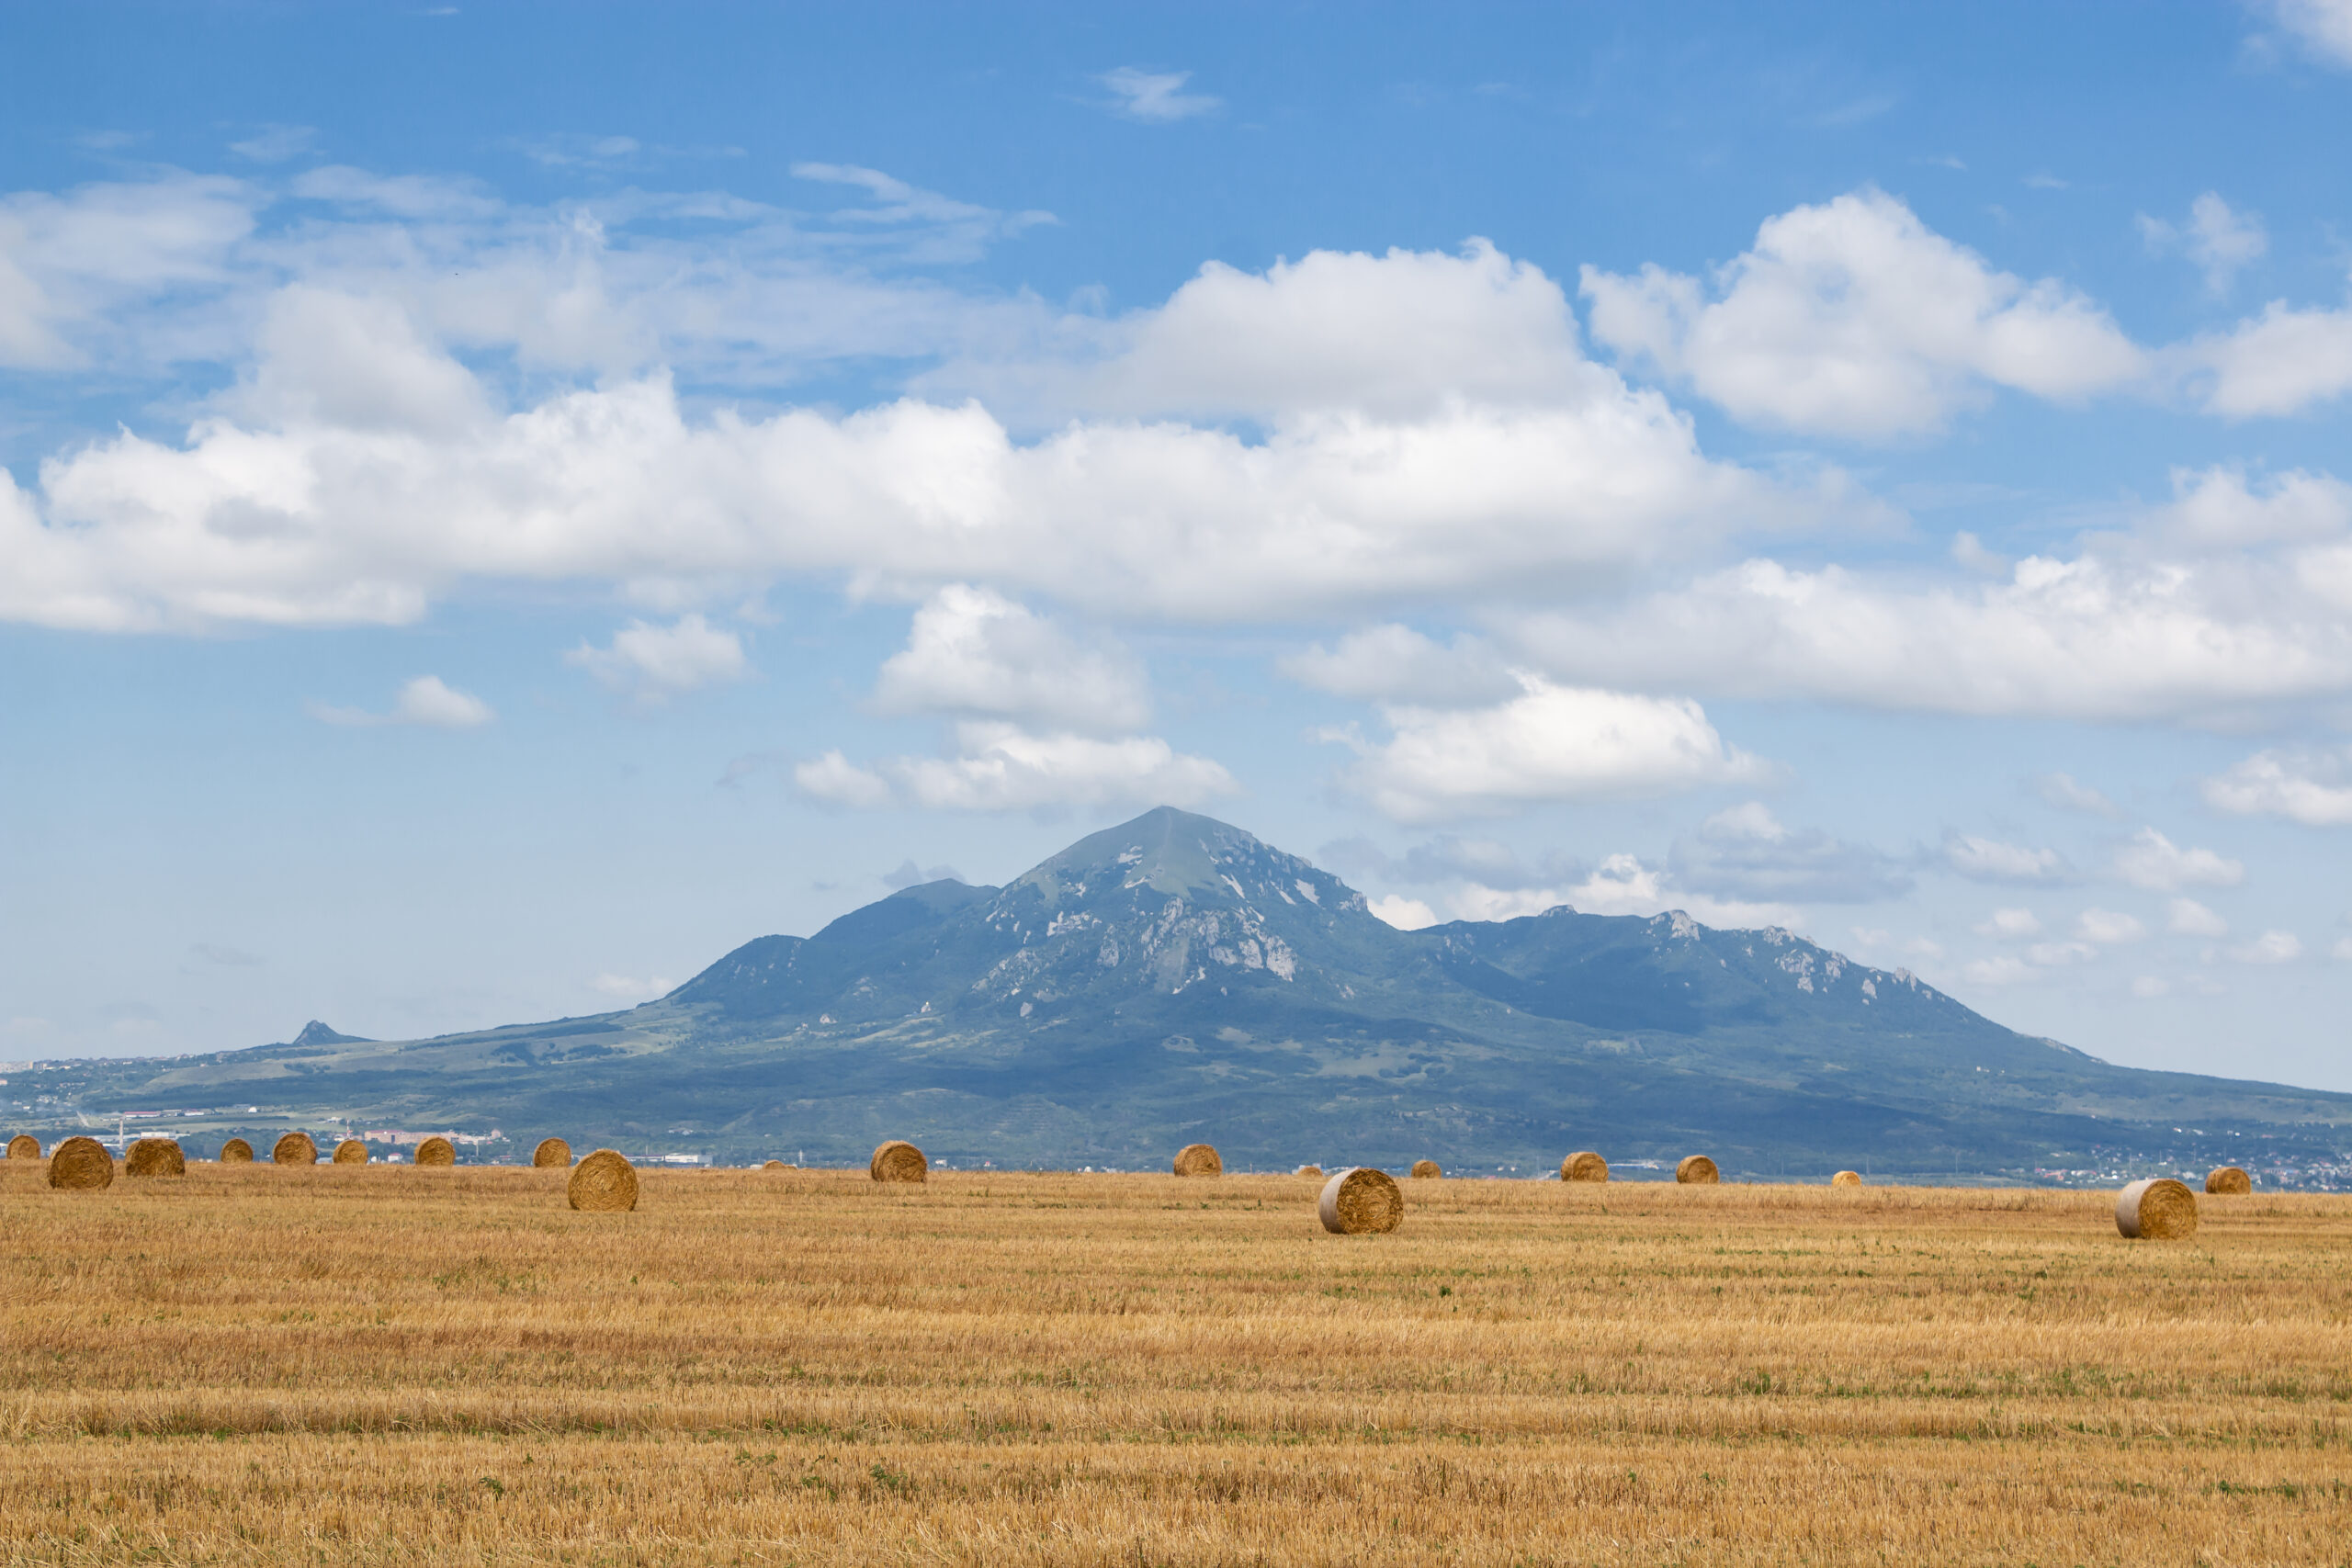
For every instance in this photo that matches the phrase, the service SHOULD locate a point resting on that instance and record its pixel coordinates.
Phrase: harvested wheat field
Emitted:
(810, 1367)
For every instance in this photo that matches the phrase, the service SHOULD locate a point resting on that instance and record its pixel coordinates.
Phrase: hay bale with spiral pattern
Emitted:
(604, 1183)
(1198, 1159)
(81, 1164)
(236, 1150)
(155, 1156)
(2157, 1209)
(1697, 1170)
(2228, 1181)
(1584, 1166)
(550, 1152)
(351, 1151)
(898, 1160)
(24, 1145)
(436, 1151)
(1847, 1178)
(294, 1148)
(1427, 1170)
(1362, 1202)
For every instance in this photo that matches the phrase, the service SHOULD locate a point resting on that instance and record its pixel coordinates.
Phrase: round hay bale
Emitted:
(436, 1151)
(1584, 1166)
(155, 1156)
(1427, 1170)
(1316, 1171)
(777, 1165)
(2228, 1181)
(351, 1151)
(81, 1164)
(551, 1151)
(1362, 1202)
(1697, 1170)
(236, 1150)
(24, 1145)
(1847, 1178)
(604, 1183)
(1198, 1159)
(294, 1148)
(2157, 1209)
(898, 1160)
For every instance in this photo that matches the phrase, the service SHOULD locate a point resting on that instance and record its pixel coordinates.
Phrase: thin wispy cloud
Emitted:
(1156, 97)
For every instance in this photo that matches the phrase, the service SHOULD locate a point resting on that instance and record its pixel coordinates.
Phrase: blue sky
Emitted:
(504, 504)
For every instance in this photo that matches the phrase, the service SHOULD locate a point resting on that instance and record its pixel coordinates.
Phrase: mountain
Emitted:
(1174, 978)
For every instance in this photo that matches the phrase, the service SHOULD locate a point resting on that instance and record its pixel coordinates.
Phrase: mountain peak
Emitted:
(317, 1033)
(1168, 850)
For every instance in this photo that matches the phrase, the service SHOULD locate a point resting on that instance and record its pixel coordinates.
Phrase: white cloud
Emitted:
(2325, 26)
(2186, 916)
(1854, 319)
(72, 266)
(1398, 664)
(2277, 363)
(997, 767)
(1156, 96)
(1404, 914)
(2002, 969)
(2217, 238)
(630, 990)
(424, 700)
(973, 651)
(1749, 852)
(2270, 947)
(2066, 793)
(2313, 787)
(2107, 926)
(275, 144)
(654, 663)
(2147, 986)
(1993, 859)
(1549, 743)
(2058, 955)
(2233, 594)
(2011, 925)
(2342, 951)
(2152, 861)
(1621, 885)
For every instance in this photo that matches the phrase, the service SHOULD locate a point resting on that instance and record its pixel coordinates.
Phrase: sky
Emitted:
(501, 504)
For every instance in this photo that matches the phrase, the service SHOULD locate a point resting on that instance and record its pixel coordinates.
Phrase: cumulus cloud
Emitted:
(972, 651)
(2237, 592)
(1994, 860)
(654, 663)
(2011, 925)
(1620, 884)
(2152, 861)
(2313, 787)
(999, 767)
(2218, 239)
(72, 264)
(1549, 743)
(1404, 914)
(1396, 665)
(2280, 361)
(2107, 928)
(1746, 852)
(2323, 26)
(424, 700)
(2270, 947)
(1854, 319)
(1155, 97)
(2066, 793)
(2186, 916)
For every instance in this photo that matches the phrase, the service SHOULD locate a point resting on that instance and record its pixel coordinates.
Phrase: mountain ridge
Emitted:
(1175, 977)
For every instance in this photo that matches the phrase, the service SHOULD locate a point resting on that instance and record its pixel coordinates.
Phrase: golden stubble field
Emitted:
(391, 1365)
